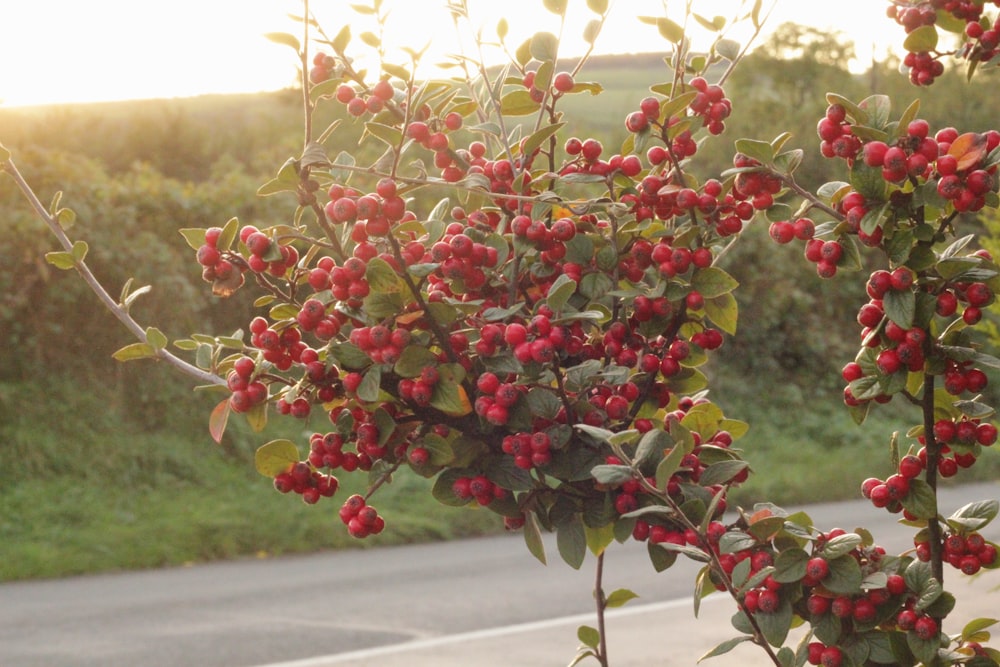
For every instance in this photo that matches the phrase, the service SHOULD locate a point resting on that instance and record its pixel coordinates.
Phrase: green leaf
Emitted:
(60, 260)
(598, 539)
(557, 7)
(762, 151)
(920, 501)
(723, 310)
(559, 293)
(536, 139)
(544, 46)
(597, 6)
(588, 636)
(728, 49)
(845, 576)
(790, 565)
(612, 475)
(257, 417)
(382, 277)
(660, 558)
(596, 432)
(533, 537)
(590, 33)
(572, 542)
(924, 38)
(275, 457)
(726, 647)
(620, 597)
(900, 307)
(368, 390)
(413, 360)
(877, 108)
(735, 541)
(134, 351)
(392, 136)
(868, 181)
(502, 28)
(840, 546)
(669, 30)
(451, 399)
(975, 516)
(283, 38)
(775, 626)
(518, 103)
(712, 282)
(669, 465)
(925, 650)
(721, 472)
(652, 446)
(342, 39)
(694, 553)
(155, 338)
(975, 627)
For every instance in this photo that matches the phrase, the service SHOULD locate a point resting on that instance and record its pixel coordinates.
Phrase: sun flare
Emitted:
(64, 51)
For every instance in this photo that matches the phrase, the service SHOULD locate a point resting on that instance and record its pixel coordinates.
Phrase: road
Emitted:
(350, 607)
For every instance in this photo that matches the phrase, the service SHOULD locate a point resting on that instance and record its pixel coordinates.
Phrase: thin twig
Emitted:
(117, 309)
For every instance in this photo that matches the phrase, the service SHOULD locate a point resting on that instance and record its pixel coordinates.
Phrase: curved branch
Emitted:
(116, 309)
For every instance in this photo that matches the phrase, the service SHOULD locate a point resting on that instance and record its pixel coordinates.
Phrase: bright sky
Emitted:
(54, 51)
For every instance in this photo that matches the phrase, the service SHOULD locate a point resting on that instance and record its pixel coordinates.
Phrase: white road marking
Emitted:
(433, 642)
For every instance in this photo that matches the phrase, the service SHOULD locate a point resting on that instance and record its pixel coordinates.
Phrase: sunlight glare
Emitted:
(59, 51)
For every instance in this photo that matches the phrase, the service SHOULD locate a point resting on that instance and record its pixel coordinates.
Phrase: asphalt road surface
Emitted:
(310, 610)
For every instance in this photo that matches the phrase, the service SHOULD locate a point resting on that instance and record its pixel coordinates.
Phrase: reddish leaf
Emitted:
(969, 149)
(217, 420)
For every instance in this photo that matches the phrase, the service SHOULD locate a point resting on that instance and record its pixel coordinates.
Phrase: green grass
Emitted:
(90, 491)
(804, 447)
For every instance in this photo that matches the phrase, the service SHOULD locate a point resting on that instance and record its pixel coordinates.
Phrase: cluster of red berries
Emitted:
(369, 438)
(382, 344)
(282, 348)
(420, 390)
(966, 552)
(266, 254)
(661, 197)
(786, 231)
(359, 104)
(462, 263)
(825, 254)
(360, 518)
(530, 450)
(983, 35)
(585, 157)
(911, 155)
(863, 610)
(837, 138)
(247, 391)
(215, 266)
(496, 398)
(304, 480)
(889, 493)
(963, 180)
(478, 488)
(371, 214)
(313, 317)
(326, 450)
(710, 104)
(323, 66)
(758, 187)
